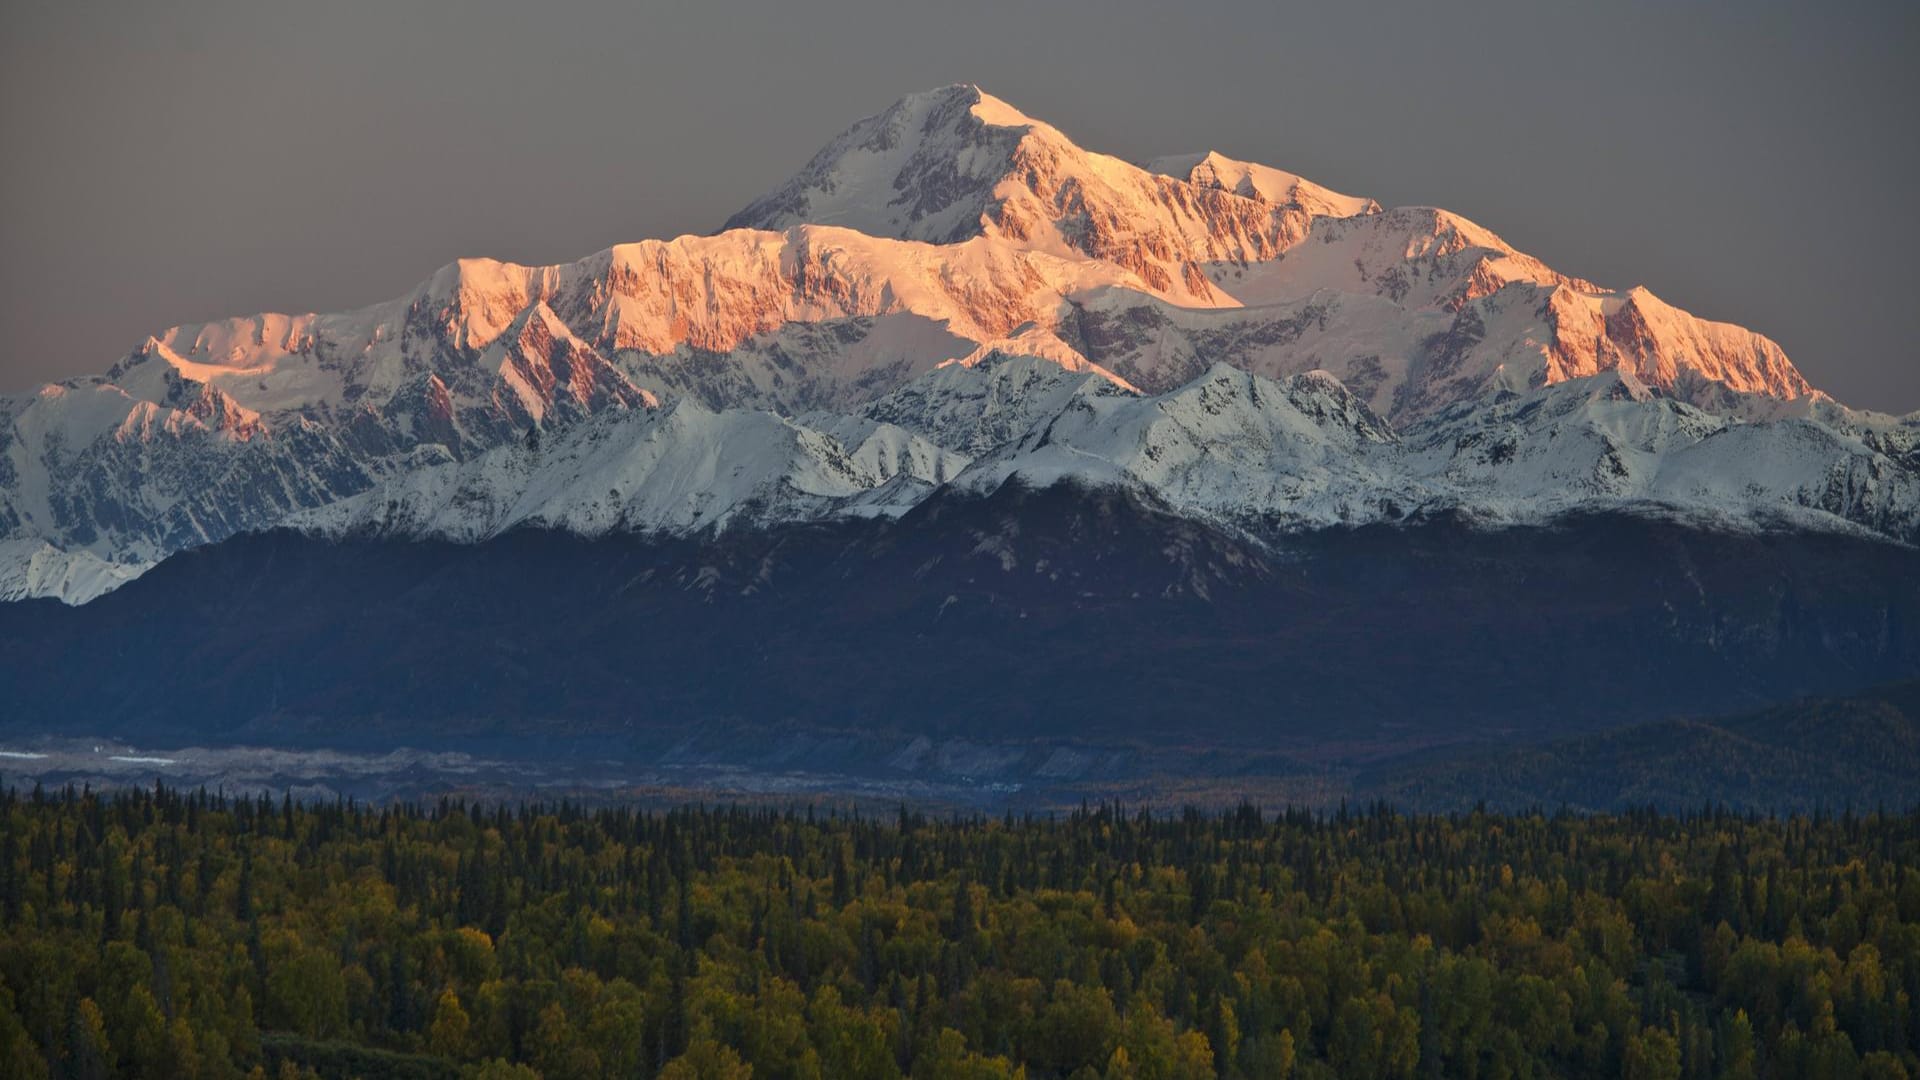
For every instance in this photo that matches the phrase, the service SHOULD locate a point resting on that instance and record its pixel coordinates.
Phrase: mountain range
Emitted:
(957, 334)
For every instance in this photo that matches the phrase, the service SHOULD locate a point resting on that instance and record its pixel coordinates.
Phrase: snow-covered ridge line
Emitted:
(1262, 457)
(1272, 456)
(922, 246)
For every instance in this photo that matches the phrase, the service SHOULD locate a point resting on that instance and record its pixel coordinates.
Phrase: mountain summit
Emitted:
(950, 294)
(957, 163)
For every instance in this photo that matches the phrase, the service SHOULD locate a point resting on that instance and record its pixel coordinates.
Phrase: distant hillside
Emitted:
(1861, 751)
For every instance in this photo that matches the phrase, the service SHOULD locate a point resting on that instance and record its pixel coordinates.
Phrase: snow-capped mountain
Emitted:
(1239, 451)
(949, 293)
(1303, 452)
(682, 469)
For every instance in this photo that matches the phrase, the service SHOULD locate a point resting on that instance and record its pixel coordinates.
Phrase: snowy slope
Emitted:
(1263, 182)
(681, 470)
(1609, 441)
(1229, 446)
(1261, 456)
(1303, 452)
(976, 405)
(1417, 309)
(1438, 308)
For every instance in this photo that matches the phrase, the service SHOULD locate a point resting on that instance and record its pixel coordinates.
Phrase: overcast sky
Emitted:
(172, 162)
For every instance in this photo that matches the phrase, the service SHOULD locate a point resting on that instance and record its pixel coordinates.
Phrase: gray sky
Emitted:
(173, 162)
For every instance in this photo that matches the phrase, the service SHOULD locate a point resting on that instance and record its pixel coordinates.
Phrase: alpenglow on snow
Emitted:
(950, 295)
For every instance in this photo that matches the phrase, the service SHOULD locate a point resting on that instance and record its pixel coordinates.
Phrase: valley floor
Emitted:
(1859, 751)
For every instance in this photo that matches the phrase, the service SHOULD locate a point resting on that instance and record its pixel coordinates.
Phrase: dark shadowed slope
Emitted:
(1056, 613)
(1861, 752)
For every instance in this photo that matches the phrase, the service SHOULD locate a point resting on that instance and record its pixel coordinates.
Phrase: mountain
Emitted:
(937, 239)
(964, 427)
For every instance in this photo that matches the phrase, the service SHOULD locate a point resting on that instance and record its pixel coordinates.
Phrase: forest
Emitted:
(166, 933)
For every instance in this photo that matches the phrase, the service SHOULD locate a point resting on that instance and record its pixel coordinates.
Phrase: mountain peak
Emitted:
(956, 163)
(924, 168)
(1215, 170)
(943, 101)
(995, 112)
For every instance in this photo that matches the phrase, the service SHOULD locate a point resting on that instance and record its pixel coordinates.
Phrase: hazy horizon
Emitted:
(222, 158)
